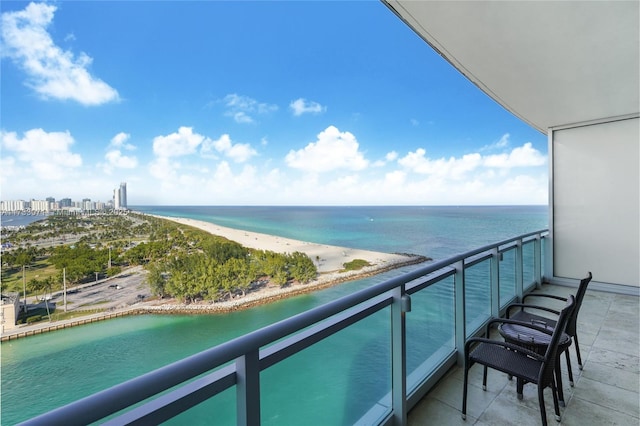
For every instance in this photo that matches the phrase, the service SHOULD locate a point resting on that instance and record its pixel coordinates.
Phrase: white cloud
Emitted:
(119, 141)
(500, 144)
(524, 156)
(454, 168)
(389, 157)
(333, 150)
(40, 154)
(302, 106)
(238, 152)
(52, 72)
(115, 159)
(243, 108)
(114, 156)
(184, 142)
(163, 169)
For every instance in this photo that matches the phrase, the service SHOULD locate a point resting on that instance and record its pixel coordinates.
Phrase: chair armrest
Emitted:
(544, 330)
(507, 345)
(548, 296)
(524, 305)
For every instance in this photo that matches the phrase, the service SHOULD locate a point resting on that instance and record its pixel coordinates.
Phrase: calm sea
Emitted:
(20, 219)
(333, 383)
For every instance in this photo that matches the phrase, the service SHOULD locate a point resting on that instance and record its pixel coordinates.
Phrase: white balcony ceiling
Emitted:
(551, 63)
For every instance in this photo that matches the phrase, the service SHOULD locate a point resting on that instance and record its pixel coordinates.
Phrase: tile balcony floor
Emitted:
(606, 391)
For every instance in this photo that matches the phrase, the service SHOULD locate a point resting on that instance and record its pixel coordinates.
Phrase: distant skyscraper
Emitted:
(120, 197)
(123, 195)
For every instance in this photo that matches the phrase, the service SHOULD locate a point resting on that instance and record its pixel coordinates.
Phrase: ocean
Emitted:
(20, 219)
(332, 383)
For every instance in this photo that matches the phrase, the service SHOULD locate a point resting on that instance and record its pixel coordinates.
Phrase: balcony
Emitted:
(408, 331)
(605, 392)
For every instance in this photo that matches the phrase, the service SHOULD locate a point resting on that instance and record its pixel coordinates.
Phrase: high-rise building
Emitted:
(120, 197)
(123, 195)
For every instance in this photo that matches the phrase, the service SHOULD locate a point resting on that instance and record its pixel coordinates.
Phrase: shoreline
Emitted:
(328, 259)
(330, 263)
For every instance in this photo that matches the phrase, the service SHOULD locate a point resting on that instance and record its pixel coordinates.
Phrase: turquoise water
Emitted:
(323, 385)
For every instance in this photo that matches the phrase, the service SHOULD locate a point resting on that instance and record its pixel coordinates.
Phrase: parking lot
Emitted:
(112, 293)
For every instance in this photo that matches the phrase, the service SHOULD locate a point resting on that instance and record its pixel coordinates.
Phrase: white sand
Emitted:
(328, 259)
(331, 258)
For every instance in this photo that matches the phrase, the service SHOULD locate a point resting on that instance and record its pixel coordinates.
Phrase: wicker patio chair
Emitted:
(526, 365)
(571, 330)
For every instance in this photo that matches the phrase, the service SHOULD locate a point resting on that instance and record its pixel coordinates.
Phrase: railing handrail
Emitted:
(121, 396)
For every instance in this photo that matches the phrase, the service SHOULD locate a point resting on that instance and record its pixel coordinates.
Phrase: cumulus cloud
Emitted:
(391, 156)
(454, 168)
(51, 71)
(302, 106)
(184, 142)
(43, 155)
(119, 141)
(524, 156)
(239, 152)
(333, 150)
(459, 168)
(114, 157)
(243, 108)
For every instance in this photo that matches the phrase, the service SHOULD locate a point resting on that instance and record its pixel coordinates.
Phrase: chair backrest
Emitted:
(548, 366)
(573, 320)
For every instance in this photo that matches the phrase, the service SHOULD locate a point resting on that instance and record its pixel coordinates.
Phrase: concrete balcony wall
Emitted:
(594, 202)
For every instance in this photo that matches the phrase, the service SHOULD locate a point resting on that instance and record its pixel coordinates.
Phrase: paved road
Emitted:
(112, 293)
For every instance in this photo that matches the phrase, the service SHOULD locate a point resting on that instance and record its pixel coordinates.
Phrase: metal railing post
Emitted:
(248, 389)
(400, 306)
(519, 270)
(460, 315)
(537, 261)
(495, 282)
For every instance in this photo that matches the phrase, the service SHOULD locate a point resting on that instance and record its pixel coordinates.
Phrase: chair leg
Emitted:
(575, 341)
(464, 391)
(556, 406)
(569, 371)
(558, 373)
(519, 387)
(484, 379)
(543, 411)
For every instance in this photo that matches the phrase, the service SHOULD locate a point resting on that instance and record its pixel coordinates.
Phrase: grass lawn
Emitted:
(40, 270)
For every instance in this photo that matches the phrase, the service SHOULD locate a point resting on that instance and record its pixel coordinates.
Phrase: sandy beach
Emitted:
(329, 260)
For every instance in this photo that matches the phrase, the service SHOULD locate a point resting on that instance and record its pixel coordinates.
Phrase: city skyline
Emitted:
(250, 103)
(117, 202)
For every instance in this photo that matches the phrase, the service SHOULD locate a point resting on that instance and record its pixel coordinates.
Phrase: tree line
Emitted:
(183, 262)
(191, 264)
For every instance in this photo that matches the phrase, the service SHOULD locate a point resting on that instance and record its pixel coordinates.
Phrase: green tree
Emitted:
(301, 267)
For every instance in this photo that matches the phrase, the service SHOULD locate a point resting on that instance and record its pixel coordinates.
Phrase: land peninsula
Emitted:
(134, 240)
(330, 262)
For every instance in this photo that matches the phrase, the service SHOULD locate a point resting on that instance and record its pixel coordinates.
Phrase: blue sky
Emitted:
(249, 103)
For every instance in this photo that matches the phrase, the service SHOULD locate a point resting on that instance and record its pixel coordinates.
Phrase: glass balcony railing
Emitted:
(404, 334)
